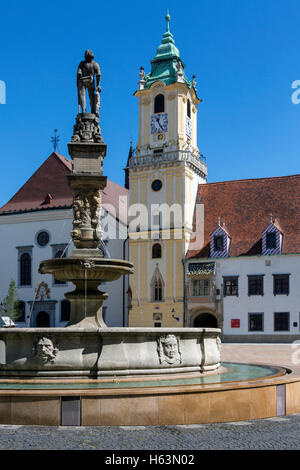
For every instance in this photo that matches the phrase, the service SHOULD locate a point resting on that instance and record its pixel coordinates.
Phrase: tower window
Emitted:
(156, 185)
(188, 108)
(159, 104)
(25, 270)
(156, 250)
(157, 291)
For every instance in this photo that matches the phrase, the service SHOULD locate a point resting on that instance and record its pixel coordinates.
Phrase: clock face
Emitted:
(159, 123)
(188, 127)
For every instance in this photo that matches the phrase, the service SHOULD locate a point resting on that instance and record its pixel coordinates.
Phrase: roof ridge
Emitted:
(246, 180)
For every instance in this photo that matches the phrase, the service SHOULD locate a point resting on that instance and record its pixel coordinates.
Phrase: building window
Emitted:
(157, 324)
(156, 185)
(281, 284)
(25, 269)
(65, 310)
(59, 254)
(156, 221)
(255, 285)
(231, 286)
(219, 243)
(159, 104)
(256, 322)
(281, 321)
(188, 108)
(156, 250)
(200, 288)
(42, 238)
(157, 290)
(271, 240)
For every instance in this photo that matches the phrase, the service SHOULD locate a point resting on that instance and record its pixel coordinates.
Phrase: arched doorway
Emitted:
(205, 320)
(42, 320)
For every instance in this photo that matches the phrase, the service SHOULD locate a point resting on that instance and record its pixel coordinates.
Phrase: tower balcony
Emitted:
(198, 164)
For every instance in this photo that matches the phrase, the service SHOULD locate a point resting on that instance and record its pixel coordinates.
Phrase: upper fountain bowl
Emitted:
(98, 268)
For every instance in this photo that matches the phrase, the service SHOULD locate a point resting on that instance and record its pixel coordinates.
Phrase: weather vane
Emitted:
(55, 140)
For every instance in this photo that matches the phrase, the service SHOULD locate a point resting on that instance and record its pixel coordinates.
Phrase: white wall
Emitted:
(239, 307)
(20, 230)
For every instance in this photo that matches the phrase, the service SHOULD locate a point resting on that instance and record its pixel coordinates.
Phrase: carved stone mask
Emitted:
(45, 350)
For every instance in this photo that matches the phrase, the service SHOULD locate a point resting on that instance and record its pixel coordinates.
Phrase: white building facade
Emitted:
(31, 236)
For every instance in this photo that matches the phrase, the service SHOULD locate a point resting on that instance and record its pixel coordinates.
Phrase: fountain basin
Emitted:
(235, 392)
(83, 352)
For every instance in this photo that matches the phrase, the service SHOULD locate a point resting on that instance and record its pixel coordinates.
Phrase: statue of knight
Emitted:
(87, 128)
(88, 69)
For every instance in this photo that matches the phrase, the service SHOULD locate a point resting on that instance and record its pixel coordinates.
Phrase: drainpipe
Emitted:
(124, 280)
(184, 296)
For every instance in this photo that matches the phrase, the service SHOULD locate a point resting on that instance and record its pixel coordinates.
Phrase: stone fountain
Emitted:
(89, 374)
(87, 347)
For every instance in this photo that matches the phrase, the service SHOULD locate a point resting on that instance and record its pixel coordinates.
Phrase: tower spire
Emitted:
(168, 18)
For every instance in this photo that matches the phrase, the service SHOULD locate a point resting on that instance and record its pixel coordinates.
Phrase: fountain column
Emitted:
(86, 266)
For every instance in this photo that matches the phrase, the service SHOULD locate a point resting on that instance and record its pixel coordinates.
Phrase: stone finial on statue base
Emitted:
(87, 128)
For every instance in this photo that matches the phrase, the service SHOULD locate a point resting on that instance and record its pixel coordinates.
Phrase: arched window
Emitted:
(157, 286)
(188, 108)
(64, 310)
(159, 104)
(25, 270)
(156, 250)
(158, 290)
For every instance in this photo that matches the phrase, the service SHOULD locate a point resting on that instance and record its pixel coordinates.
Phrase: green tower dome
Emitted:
(167, 62)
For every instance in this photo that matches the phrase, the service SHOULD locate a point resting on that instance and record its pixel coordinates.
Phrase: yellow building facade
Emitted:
(163, 180)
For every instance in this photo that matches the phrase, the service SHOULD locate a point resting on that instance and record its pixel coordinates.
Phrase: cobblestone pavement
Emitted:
(272, 433)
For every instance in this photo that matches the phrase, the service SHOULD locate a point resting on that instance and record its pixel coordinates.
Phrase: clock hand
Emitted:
(158, 122)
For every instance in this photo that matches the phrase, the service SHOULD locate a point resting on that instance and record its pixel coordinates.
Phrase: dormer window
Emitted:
(219, 243)
(272, 239)
(159, 104)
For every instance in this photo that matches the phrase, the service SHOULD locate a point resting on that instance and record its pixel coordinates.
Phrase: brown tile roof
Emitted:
(245, 207)
(48, 189)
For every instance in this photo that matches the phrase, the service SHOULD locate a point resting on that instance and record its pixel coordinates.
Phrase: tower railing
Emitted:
(172, 156)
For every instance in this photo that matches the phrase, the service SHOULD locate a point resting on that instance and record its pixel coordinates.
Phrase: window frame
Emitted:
(261, 314)
(158, 105)
(218, 237)
(200, 291)
(255, 277)
(23, 270)
(154, 247)
(230, 278)
(281, 277)
(289, 321)
(273, 234)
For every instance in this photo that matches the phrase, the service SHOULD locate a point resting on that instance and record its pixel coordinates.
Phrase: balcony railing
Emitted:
(165, 157)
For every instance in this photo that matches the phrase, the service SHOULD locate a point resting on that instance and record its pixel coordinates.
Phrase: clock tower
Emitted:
(163, 178)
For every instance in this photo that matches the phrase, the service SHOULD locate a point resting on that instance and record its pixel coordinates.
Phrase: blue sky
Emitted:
(245, 55)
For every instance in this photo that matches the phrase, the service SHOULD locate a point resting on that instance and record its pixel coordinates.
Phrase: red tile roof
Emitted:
(48, 189)
(245, 207)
